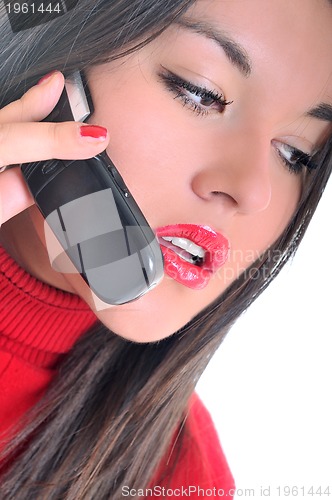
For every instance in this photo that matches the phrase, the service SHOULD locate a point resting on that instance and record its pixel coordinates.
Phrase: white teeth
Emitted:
(186, 245)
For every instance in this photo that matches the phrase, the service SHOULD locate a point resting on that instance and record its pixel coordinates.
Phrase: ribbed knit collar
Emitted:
(38, 322)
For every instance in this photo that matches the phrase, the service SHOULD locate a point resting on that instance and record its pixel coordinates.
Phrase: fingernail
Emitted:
(47, 77)
(93, 132)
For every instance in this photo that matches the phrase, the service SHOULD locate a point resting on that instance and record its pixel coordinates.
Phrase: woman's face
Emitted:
(189, 158)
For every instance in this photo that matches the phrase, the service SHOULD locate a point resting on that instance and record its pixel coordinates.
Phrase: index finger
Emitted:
(36, 103)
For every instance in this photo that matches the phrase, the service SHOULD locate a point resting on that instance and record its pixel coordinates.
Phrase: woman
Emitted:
(223, 108)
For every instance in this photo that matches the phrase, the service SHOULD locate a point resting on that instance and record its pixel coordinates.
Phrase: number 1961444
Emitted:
(34, 8)
(304, 492)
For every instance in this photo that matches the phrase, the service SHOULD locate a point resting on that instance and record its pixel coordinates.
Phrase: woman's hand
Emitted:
(23, 139)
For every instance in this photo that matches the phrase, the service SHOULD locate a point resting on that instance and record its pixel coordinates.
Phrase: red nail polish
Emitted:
(46, 77)
(93, 132)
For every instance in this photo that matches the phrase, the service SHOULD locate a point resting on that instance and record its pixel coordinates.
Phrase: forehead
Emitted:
(289, 43)
(272, 20)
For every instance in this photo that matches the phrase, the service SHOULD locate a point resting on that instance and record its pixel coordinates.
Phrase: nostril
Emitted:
(212, 187)
(223, 197)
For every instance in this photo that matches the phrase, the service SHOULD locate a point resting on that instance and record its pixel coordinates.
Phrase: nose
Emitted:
(238, 176)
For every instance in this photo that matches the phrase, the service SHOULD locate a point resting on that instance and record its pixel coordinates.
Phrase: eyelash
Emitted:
(178, 86)
(298, 160)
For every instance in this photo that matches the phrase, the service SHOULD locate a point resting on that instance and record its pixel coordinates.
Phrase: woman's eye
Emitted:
(198, 99)
(202, 100)
(294, 159)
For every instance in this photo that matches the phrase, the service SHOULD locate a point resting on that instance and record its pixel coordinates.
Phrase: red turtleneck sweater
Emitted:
(38, 324)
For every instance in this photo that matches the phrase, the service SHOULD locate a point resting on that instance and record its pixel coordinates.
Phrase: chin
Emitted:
(157, 315)
(134, 326)
(151, 318)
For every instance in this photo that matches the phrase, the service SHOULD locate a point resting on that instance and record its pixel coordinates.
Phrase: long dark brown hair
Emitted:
(109, 416)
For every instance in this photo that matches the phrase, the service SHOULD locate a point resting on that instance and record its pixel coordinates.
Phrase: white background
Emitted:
(268, 387)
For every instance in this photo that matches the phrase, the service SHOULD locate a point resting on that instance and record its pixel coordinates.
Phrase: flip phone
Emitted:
(94, 217)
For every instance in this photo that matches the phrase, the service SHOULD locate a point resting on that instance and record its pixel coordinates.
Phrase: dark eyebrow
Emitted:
(323, 112)
(235, 52)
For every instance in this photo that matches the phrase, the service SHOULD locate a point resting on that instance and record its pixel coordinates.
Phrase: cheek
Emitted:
(151, 141)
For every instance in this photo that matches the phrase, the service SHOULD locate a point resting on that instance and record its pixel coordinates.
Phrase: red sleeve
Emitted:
(201, 470)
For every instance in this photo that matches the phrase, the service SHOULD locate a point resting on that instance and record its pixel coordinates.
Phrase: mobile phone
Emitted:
(94, 217)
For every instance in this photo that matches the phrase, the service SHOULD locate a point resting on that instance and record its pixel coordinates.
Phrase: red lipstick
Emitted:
(177, 266)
